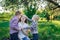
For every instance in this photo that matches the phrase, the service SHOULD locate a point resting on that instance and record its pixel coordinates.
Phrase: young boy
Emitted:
(14, 26)
(33, 28)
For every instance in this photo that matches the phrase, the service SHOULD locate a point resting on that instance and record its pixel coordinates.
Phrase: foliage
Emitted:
(43, 14)
(4, 29)
(11, 2)
(57, 17)
(6, 16)
(30, 11)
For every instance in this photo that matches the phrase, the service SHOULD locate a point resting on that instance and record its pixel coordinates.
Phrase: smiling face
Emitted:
(23, 19)
(35, 17)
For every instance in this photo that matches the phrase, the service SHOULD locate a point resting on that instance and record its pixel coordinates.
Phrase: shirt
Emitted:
(14, 24)
(23, 26)
(33, 26)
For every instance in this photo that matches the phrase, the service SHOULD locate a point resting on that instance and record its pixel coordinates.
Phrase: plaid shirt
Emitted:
(33, 26)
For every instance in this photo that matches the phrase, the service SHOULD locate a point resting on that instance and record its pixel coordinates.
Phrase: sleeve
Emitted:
(14, 24)
(29, 19)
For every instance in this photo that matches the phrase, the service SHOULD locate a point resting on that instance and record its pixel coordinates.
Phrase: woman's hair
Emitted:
(17, 13)
(25, 20)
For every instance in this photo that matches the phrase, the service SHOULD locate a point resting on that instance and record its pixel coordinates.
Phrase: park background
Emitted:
(48, 10)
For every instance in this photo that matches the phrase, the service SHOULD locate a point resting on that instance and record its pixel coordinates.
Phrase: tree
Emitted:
(30, 7)
(11, 4)
(55, 3)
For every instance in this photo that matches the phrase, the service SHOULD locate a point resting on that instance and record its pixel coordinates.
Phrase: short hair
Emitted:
(34, 16)
(17, 13)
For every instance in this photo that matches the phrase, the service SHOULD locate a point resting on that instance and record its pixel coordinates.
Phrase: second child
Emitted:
(34, 26)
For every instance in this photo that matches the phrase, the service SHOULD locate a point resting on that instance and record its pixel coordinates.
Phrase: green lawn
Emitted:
(47, 30)
(4, 29)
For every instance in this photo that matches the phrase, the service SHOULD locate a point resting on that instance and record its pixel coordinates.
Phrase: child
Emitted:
(33, 28)
(14, 26)
(23, 25)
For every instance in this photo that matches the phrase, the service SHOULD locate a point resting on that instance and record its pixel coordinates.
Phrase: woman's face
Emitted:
(23, 19)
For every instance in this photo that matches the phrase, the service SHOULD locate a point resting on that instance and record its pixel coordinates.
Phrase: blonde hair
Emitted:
(35, 16)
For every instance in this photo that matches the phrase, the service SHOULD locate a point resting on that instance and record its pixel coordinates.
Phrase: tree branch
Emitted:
(55, 3)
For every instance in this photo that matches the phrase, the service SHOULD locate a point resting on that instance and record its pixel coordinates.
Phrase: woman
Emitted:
(23, 26)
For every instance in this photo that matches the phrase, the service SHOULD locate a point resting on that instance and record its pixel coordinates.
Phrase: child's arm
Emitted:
(29, 19)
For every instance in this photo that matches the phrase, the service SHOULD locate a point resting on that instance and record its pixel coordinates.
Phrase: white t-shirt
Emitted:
(21, 34)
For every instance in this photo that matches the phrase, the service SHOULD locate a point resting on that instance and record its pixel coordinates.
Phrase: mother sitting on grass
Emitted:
(22, 24)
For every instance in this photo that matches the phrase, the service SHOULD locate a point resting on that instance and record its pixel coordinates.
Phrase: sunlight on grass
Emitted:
(56, 22)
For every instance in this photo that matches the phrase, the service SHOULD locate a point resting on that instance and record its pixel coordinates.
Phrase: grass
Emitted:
(47, 30)
(4, 29)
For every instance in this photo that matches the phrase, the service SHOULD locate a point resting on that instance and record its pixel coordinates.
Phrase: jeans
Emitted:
(35, 36)
(25, 38)
(14, 36)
